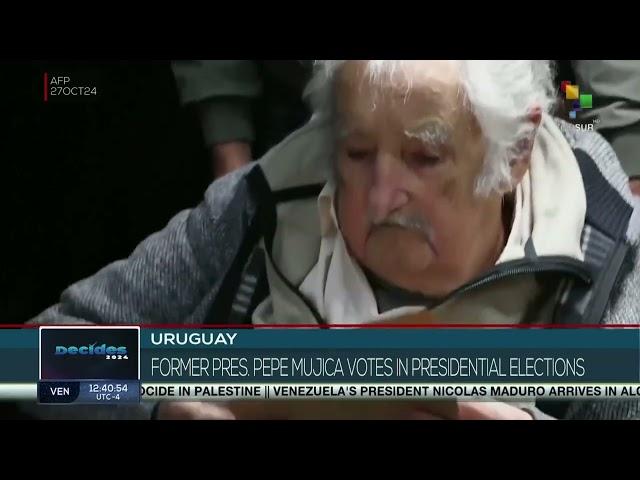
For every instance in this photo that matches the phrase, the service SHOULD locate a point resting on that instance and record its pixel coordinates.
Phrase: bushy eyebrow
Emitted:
(431, 132)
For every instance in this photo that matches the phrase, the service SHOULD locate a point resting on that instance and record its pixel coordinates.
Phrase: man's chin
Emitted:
(396, 249)
(422, 284)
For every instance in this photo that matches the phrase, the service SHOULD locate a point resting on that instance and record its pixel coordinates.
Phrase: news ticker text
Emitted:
(275, 392)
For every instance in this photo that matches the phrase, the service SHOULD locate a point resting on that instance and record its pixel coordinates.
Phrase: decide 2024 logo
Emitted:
(89, 353)
(110, 352)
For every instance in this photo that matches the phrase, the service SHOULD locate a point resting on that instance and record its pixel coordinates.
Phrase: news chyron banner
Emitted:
(89, 365)
(114, 365)
(388, 363)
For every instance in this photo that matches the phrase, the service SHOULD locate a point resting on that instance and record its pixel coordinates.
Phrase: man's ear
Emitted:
(521, 162)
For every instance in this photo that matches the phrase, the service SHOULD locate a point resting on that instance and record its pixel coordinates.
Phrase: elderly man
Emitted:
(441, 186)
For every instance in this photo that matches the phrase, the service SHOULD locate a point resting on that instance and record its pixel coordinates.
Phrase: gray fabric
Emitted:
(626, 143)
(625, 309)
(607, 162)
(174, 275)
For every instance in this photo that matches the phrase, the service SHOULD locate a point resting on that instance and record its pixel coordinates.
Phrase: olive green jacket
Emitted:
(253, 101)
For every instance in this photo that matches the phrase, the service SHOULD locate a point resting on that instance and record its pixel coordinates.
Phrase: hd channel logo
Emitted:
(89, 365)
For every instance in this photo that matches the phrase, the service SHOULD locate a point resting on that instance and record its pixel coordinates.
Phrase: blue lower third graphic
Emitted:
(89, 392)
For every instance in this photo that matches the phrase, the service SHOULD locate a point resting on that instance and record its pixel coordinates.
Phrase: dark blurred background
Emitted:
(84, 179)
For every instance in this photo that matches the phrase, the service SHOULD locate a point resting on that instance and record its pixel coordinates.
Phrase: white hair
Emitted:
(499, 93)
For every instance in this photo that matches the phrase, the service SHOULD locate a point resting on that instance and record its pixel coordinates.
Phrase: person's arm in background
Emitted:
(615, 86)
(223, 92)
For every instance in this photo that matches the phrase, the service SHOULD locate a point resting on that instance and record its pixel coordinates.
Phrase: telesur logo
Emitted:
(110, 352)
(579, 102)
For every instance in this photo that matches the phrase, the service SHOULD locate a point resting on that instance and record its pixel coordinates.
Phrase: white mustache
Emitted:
(410, 222)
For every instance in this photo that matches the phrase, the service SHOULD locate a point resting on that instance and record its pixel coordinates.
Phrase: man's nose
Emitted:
(387, 193)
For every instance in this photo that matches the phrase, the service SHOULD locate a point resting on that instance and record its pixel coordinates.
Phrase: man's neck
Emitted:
(390, 296)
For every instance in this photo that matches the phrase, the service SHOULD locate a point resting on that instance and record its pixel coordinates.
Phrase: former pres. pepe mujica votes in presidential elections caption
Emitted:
(443, 185)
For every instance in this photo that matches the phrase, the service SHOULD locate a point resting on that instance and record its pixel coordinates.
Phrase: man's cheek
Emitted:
(456, 189)
(448, 190)
(353, 223)
(352, 174)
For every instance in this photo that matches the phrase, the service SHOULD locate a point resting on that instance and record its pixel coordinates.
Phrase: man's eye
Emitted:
(360, 155)
(422, 160)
